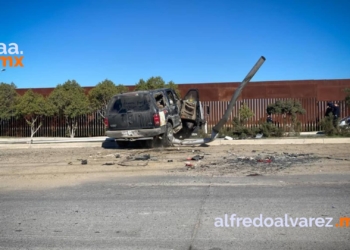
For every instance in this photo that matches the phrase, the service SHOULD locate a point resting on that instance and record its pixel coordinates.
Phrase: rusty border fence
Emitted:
(92, 124)
(315, 111)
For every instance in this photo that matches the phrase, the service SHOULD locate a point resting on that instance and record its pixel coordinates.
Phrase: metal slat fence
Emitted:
(315, 111)
(92, 124)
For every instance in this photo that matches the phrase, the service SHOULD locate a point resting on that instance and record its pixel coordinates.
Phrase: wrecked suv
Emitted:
(153, 117)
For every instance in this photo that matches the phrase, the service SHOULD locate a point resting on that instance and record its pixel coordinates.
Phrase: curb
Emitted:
(53, 145)
(112, 145)
(282, 141)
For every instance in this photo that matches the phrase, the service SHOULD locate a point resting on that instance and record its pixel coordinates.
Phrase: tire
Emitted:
(167, 137)
(122, 144)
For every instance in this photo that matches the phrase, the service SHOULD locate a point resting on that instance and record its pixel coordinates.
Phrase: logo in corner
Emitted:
(10, 55)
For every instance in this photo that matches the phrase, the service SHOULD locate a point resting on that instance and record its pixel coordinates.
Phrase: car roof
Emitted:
(144, 91)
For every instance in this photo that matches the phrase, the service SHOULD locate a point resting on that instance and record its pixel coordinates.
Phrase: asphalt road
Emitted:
(176, 213)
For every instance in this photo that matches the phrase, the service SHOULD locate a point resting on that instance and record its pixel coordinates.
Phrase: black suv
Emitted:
(153, 116)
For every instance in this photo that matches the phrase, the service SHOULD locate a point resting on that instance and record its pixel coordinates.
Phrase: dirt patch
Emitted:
(49, 168)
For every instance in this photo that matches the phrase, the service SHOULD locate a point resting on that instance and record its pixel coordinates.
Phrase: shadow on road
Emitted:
(109, 144)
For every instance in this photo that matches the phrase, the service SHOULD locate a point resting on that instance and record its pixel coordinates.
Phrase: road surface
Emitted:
(176, 212)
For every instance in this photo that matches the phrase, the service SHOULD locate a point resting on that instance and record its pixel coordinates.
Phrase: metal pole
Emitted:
(224, 119)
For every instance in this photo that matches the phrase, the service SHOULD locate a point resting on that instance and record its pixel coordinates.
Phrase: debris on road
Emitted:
(265, 161)
(189, 165)
(254, 174)
(197, 157)
(259, 136)
(132, 160)
(129, 163)
(170, 160)
(240, 161)
(83, 162)
(261, 163)
(108, 163)
(142, 157)
(228, 138)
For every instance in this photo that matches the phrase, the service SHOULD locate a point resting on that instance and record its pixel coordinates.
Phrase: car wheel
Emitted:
(167, 137)
(122, 144)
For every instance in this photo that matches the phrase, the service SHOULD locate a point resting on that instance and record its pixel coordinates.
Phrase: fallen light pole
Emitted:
(224, 119)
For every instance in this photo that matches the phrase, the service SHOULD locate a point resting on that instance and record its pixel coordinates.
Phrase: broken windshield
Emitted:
(130, 103)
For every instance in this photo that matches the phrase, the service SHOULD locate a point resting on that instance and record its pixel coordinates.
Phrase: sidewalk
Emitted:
(40, 140)
(103, 141)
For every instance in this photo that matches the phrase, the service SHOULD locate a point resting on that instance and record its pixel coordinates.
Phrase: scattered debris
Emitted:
(197, 157)
(228, 138)
(170, 160)
(260, 163)
(189, 165)
(254, 174)
(265, 161)
(117, 155)
(133, 163)
(259, 136)
(109, 155)
(70, 163)
(108, 163)
(142, 157)
(83, 162)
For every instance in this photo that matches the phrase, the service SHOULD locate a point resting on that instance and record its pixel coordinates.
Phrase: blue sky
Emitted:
(187, 41)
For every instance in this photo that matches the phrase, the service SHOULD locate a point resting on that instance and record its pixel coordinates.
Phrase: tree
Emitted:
(33, 106)
(173, 86)
(69, 100)
(156, 83)
(8, 100)
(290, 108)
(239, 123)
(100, 95)
(245, 113)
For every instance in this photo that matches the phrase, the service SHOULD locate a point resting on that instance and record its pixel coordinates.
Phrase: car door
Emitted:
(190, 114)
(174, 110)
(190, 109)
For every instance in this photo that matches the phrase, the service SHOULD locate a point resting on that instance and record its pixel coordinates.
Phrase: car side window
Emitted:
(160, 100)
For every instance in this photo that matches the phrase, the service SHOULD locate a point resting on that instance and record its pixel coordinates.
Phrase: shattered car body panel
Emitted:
(345, 122)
